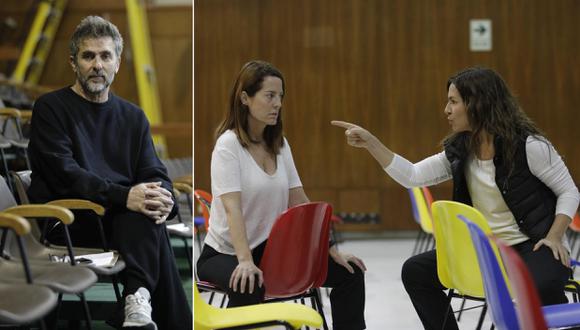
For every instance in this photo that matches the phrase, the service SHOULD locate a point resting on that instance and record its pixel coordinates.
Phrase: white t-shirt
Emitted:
(263, 196)
(544, 163)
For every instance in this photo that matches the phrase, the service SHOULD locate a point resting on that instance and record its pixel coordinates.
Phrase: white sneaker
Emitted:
(138, 310)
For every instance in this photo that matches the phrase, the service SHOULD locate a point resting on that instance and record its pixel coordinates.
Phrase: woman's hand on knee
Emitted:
(558, 249)
(343, 259)
(246, 273)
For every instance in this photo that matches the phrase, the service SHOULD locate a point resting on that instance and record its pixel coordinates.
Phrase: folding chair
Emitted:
(59, 277)
(17, 140)
(177, 227)
(43, 250)
(291, 316)
(23, 303)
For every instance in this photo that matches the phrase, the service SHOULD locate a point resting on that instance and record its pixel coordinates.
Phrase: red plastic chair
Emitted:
(204, 200)
(428, 197)
(531, 315)
(295, 260)
(574, 228)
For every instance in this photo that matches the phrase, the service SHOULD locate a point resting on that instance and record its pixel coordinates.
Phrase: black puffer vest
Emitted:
(531, 202)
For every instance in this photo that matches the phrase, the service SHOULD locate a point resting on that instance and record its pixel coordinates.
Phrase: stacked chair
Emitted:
(13, 143)
(23, 302)
(42, 251)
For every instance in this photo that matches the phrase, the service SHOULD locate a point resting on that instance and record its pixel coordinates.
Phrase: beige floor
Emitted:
(387, 304)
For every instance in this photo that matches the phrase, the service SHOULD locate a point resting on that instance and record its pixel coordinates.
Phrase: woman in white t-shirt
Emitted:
(502, 165)
(253, 180)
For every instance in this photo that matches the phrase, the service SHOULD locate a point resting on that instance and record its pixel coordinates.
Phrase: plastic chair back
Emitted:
(497, 294)
(457, 265)
(575, 224)
(296, 254)
(204, 200)
(421, 211)
(428, 197)
(529, 311)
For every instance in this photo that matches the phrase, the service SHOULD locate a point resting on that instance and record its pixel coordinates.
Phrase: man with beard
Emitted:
(86, 142)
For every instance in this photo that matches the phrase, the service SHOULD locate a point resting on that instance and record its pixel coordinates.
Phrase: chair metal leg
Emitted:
(417, 240)
(5, 164)
(115, 281)
(198, 235)
(42, 325)
(482, 317)
(223, 300)
(432, 238)
(449, 295)
(26, 159)
(86, 310)
(422, 243)
(318, 301)
(461, 309)
(188, 255)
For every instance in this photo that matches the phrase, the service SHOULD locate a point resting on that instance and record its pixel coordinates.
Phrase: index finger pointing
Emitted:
(343, 124)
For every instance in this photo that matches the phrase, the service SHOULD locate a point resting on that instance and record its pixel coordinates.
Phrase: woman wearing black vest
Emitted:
(502, 165)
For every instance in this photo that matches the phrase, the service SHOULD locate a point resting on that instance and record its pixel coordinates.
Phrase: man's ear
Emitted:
(118, 64)
(73, 64)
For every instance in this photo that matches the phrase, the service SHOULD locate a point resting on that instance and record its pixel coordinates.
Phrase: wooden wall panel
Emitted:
(172, 46)
(383, 64)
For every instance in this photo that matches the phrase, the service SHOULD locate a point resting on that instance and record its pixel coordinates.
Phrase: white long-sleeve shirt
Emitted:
(543, 160)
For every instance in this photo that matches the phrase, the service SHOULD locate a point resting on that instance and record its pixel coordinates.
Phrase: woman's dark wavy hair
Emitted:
(491, 107)
(250, 80)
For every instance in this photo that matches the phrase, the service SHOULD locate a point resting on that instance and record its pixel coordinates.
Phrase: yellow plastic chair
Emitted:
(422, 215)
(457, 265)
(289, 315)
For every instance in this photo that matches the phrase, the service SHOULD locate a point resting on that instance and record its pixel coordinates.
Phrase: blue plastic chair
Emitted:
(497, 294)
(528, 312)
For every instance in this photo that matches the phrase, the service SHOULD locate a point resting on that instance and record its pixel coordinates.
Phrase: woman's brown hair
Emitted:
(492, 108)
(250, 80)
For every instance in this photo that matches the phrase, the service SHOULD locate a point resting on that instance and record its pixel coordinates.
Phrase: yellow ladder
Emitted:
(38, 42)
(144, 69)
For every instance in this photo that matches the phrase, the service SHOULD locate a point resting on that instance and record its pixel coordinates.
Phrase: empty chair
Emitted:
(12, 131)
(23, 303)
(42, 250)
(422, 215)
(526, 313)
(291, 316)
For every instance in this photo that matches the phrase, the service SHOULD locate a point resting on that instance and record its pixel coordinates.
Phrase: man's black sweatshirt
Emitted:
(94, 151)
